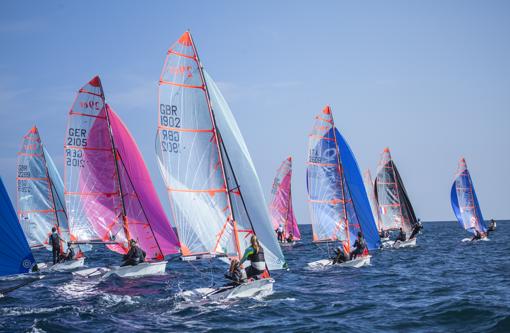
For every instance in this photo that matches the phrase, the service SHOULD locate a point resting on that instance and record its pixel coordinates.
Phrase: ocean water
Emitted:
(442, 285)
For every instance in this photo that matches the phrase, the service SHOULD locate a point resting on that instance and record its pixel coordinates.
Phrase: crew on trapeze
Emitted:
(384, 234)
(134, 256)
(480, 235)
(255, 254)
(360, 247)
(492, 225)
(54, 240)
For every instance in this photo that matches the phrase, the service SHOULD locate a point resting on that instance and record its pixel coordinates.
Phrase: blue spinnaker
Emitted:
(464, 201)
(15, 254)
(359, 197)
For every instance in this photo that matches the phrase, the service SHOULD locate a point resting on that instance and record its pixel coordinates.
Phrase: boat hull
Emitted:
(244, 290)
(399, 244)
(287, 244)
(62, 266)
(143, 269)
(354, 263)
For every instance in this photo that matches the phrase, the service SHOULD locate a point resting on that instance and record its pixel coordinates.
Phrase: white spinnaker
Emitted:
(247, 179)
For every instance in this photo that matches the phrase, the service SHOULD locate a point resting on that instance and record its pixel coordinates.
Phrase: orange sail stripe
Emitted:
(181, 85)
(180, 54)
(212, 190)
(72, 113)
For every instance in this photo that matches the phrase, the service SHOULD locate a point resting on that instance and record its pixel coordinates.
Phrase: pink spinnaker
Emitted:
(280, 207)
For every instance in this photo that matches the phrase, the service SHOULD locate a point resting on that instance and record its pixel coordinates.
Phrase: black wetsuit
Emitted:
(340, 257)
(477, 236)
(134, 256)
(401, 237)
(54, 241)
(359, 247)
(237, 276)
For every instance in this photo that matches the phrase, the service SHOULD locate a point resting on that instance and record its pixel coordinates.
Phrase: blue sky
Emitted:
(429, 79)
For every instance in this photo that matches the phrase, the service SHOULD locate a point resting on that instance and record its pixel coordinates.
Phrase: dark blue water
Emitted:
(442, 285)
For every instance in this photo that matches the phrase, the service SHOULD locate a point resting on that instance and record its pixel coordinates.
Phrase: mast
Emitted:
(340, 170)
(115, 155)
(218, 140)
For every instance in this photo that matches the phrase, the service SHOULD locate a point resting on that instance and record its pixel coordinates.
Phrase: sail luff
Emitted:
(218, 141)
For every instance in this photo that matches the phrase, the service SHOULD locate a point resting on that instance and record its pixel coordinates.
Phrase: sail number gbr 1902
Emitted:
(169, 117)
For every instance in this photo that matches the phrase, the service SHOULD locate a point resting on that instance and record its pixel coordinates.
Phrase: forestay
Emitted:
(280, 205)
(15, 254)
(395, 207)
(337, 198)
(369, 186)
(464, 201)
(40, 194)
(213, 189)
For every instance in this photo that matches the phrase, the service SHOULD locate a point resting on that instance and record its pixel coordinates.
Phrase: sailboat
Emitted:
(109, 194)
(15, 255)
(337, 198)
(40, 197)
(215, 194)
(395, 208)
(280, 206)
(465, 203)
(369, 186)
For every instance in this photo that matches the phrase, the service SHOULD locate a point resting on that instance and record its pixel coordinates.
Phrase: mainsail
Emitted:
(40, 194)
(369, 186)
(215, 195)
(337, 199)
(280, 206)
(464, 201)
(395, 207)
(15, 254)
(109, 193)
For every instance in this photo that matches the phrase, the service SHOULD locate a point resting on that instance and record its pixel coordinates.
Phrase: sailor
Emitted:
(69, 255)
(279, 232)
(54, 241)
(476, 236)
(492, 225)
(359, 246)
(401, 236)
(384, 234)
(290, 239)
(236, 273)
(255, 254)
(134, 256)
(341, 255)
(416, 229)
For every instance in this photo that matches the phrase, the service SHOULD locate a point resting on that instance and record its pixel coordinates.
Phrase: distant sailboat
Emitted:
(337, 198)
(215, 194)
(465, 203)
(109, 194)
(280, 205)
(369, 186)
(395, 208)
(15, 254)
(40, 194)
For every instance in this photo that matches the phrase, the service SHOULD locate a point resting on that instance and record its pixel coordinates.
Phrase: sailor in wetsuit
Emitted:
(54, 241)
(69, 255)
(290, 239)
(492, 225)
(279, 233)
(384, 234)
(359, 246)
(255, 254)
(236, 273)
(476, 236)
(416, 229)
(134, 256)
(401, 236)
(340, 255)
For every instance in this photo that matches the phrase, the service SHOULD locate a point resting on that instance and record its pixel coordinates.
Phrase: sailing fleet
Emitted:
(107, 196)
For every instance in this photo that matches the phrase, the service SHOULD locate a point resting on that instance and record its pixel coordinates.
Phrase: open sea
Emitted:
(442, 285)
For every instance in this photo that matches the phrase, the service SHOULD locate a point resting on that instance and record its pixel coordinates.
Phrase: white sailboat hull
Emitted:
(476, 240)
(62, 266)
(244, 290)
(287, 244)
(399, 244)
(354, 263)
(143, 269)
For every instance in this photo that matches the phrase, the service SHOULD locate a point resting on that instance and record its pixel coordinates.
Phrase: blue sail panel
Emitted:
(465, 203)
(357, 192)
(15, 254)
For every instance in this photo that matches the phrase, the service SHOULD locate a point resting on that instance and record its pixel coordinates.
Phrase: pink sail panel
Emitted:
(280, 206)
(147, 221)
